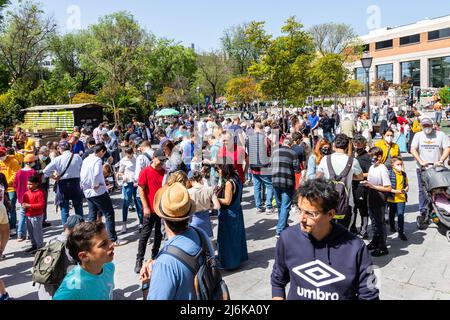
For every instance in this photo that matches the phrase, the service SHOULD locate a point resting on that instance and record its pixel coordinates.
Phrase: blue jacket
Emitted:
(337, 268)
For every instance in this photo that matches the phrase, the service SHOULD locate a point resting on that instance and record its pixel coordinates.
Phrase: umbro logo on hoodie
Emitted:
(318, 273)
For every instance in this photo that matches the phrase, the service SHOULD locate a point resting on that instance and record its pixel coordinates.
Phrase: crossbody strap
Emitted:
(68, 165)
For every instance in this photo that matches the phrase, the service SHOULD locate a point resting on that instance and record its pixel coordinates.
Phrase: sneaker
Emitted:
(132, 209)
(260, 210)
(119, 243)
(13, 232)
(4, 297)
(21, 239)
(271, 211)
(371, 246)
(124, 229)
(31, 250)
(402, 236)
(277, 236)
(380, 252)
(138, 266)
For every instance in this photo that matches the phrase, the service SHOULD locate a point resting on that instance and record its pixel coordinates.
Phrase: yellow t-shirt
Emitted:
(395, 151)
(399, 198)
(29, 145)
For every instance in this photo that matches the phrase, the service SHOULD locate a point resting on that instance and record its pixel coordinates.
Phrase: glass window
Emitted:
(411, 72)
(360, 75)
(384, 44)
(440, 72)
(385, 76)
(410, 39)
(439, 34)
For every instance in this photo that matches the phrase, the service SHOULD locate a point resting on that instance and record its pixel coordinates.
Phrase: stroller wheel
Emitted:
(421, 224)
(448, 235)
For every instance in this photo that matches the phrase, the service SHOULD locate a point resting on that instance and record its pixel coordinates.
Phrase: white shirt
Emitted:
(127, 167)
(142, 162)
(379, 176)
(59, 164)
(91, 176)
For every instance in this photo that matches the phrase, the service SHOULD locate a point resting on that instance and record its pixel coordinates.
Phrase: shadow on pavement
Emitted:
(133, 291)
(261, 230)
(17, 274)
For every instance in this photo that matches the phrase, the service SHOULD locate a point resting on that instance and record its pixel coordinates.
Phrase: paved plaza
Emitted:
(417, 269)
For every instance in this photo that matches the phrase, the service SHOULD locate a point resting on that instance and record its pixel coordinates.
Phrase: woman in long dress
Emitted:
(231, 239)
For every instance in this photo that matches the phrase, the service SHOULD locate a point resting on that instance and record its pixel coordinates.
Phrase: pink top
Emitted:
(21, 182)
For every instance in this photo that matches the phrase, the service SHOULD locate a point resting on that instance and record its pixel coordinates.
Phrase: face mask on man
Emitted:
(428, 130)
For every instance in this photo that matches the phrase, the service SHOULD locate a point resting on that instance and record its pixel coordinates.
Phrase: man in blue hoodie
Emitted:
(320, 259)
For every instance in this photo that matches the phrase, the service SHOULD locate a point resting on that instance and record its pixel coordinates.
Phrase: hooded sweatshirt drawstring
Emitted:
(328, 251)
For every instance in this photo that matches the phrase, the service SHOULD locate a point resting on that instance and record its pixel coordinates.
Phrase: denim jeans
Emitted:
(378, 226)
(329, 136)
(258, 181)
(103, 204)
(249, 176)
(12, 212)
(423, 202)
(284, 202)
(375, 117)
(34, 227)
(22, 225)
(129, 193)
(397, 209)
(438, 117)
(78, 206)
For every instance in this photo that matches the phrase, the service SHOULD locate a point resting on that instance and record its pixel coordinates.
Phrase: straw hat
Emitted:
(173, 203)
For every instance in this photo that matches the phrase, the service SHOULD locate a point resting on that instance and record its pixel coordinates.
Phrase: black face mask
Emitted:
(325, 151)
(359, 150)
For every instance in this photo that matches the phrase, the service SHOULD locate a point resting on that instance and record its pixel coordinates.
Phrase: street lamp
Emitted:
(148, 88)
(366, 62)
(71, 95)
(198, 100)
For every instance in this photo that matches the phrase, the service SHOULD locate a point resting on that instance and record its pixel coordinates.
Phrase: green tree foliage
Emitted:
(328, 75)
(241, 52)
(352, 87)
(3, 4)
(444, 94)
(24, 42)
(284, 64)
(242, 90)
(332, 38)
(213, 73)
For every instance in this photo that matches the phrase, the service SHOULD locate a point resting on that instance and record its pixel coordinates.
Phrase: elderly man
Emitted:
(65, 170)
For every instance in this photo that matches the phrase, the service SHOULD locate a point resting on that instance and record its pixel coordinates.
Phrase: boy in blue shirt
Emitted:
(93, 277)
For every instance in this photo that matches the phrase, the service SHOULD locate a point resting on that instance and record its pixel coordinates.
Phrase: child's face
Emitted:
(102, 249)
(32, 186)
(398, 165)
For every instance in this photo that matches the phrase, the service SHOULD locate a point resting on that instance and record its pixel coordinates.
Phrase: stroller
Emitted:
(436, 185)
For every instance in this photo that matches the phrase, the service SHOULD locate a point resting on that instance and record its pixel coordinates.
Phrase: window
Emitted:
(384, 44)
(411, 72)
(385, 76)
(439, 34)
(440, 72)
(360, 75)
(410, 39)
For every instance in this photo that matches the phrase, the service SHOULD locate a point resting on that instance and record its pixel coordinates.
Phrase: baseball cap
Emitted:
(160, 155)
(72, 221)
(426, 121)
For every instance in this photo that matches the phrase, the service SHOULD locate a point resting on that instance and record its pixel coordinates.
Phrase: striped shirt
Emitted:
(283, 173)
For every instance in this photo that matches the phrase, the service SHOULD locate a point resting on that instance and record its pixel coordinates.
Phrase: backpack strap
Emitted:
(347, 169)
(331, 171)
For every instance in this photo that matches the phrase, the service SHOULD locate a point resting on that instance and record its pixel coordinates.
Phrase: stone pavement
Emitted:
(417, 269)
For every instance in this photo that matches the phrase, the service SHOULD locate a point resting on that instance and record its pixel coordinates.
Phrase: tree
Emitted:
(213, 73)
(3, 4)
(444, 94)
(284, 64)
(24, 42)
(242, 90)
(332, 38)
(352, 88)
(241, 52)
(328, 75)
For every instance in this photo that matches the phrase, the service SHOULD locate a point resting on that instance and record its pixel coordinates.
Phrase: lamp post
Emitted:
(366, 62)
(71, 95)
(148, 88)
(198, 100)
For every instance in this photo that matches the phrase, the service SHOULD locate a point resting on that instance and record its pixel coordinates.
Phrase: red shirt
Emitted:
(238, 155)
(36, 199)
(151, 180)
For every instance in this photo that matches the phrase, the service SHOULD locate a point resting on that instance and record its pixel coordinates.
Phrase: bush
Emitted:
(444, 93)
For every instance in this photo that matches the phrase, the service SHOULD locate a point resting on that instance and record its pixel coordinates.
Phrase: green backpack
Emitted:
(48, 265)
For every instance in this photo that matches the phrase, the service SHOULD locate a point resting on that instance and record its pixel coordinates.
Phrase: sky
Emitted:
(202, 22)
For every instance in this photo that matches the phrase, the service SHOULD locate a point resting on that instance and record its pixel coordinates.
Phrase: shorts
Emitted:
(3, 215)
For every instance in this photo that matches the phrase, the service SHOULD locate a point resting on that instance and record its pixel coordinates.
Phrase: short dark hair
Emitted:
(297, 136)
(100, 147)
(227, 167)
(359, 138)
(197, 176)
(388, 130)
(81, 236)
(90, 142)
(177, 226)
(320, 191)
(376, 152)
(34, 179)
(145, 144)
(341, 141)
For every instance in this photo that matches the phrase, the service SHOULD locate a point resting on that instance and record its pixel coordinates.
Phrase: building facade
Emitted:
(418, 54)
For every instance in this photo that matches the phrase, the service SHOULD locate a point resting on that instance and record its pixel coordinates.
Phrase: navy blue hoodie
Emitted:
(337, 268)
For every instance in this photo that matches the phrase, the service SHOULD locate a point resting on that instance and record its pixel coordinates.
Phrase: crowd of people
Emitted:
(176, 173)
